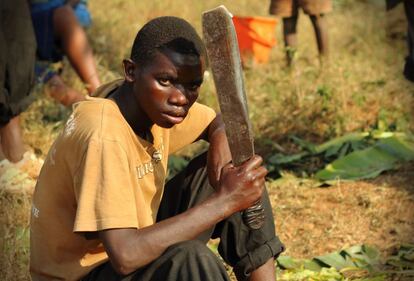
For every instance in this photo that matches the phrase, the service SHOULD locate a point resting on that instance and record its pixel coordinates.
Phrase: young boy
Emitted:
(101, 210)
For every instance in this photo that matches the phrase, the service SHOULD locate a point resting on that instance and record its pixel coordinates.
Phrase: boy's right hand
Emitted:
(242, 186)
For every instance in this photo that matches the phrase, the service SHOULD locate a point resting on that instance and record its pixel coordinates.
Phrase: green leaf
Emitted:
(312, 265)
(370, 162)
(339, 141)
(279, 159)
(333, 150)
(304, 144)
(287, 262)
(335, 260)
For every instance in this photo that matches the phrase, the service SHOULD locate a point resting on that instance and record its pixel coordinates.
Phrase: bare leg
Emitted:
(290, 38)
(409, 60)
(75, 45)
(12, 141)
(63, 93)
(321, 32)
(264, 273)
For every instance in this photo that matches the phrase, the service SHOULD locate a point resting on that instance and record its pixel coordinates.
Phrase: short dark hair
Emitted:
(166, 32)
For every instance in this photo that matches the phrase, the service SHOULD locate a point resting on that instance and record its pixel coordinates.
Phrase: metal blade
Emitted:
(223, 53)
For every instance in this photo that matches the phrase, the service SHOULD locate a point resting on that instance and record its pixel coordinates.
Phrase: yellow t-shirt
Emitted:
(99, 175)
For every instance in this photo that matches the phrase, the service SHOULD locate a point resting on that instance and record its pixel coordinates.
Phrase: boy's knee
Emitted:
(193, 260)
(191, 248)
(194, 253)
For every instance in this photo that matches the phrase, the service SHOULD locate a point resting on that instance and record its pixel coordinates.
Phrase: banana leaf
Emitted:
(337, 146)
(386, 154)
(359, 256)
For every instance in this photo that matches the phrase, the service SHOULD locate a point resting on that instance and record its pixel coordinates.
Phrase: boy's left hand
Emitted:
(219, 152)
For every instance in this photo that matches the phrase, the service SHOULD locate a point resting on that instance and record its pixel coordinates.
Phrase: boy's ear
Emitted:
(129, 70)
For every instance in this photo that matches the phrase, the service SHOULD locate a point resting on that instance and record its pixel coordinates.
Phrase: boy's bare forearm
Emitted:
(130, 249)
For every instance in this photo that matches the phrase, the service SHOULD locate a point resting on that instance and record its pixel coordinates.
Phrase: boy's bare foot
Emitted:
(12, 141)
(62, 93)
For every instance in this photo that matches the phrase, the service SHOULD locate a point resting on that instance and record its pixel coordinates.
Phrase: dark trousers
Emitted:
(409, 60)
(242, 248)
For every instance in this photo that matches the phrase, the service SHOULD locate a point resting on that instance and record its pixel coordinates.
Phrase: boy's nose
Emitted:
(178, 97)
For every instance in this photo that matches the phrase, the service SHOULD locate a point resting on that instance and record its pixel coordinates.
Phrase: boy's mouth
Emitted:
(174, 118)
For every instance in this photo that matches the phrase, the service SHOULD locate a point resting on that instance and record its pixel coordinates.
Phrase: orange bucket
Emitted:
(256, 37)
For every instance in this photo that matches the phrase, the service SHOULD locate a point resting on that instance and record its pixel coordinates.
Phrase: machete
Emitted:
(223, 53)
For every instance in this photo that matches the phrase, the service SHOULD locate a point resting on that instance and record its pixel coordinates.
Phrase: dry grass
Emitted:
(361, 88)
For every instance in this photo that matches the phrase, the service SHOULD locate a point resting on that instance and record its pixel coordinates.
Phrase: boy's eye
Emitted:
(193, 87)
(164, 81)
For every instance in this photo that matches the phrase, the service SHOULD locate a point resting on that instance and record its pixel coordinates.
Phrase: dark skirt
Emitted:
(17, 58)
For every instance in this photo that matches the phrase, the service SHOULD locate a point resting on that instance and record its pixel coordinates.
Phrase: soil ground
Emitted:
(315, 221)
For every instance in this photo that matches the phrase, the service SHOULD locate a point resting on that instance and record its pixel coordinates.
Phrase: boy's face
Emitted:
(168, 86)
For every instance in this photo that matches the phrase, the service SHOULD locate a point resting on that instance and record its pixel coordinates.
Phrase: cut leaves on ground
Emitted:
(351, 157)
(359, 262)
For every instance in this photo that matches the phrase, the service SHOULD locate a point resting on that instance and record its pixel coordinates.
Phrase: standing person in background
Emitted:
(17, 57)
(59, 31)
(409, 13)
(289, 11)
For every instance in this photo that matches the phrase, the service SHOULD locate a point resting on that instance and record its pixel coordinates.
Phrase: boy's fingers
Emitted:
(258, 175)
(261, 172)
(253, 163)
(227, 167)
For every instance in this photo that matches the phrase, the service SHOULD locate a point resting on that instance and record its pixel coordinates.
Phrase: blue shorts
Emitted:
(48, 47)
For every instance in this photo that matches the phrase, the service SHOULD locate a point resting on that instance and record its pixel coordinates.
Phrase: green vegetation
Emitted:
(350, 157)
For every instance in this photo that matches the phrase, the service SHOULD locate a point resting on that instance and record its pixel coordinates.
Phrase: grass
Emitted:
(361, 88)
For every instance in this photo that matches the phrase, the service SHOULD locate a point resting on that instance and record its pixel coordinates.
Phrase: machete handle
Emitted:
(254, 216)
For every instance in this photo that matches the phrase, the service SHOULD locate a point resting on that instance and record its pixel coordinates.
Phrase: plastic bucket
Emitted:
(256, 37)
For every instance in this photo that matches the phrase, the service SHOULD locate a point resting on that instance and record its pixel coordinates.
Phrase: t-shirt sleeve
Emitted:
(197, 120)
(103, 189)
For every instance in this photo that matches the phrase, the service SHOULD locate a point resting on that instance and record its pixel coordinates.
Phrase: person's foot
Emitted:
(62, 93)
(12, 141)
(20, 176)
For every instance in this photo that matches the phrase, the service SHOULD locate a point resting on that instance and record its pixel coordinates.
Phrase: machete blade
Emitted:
(224, 57)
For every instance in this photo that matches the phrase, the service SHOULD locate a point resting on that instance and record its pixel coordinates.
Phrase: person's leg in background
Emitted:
(290, 37)
(12, 145)
(320, 27)
(75, 45)
(288, 11)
